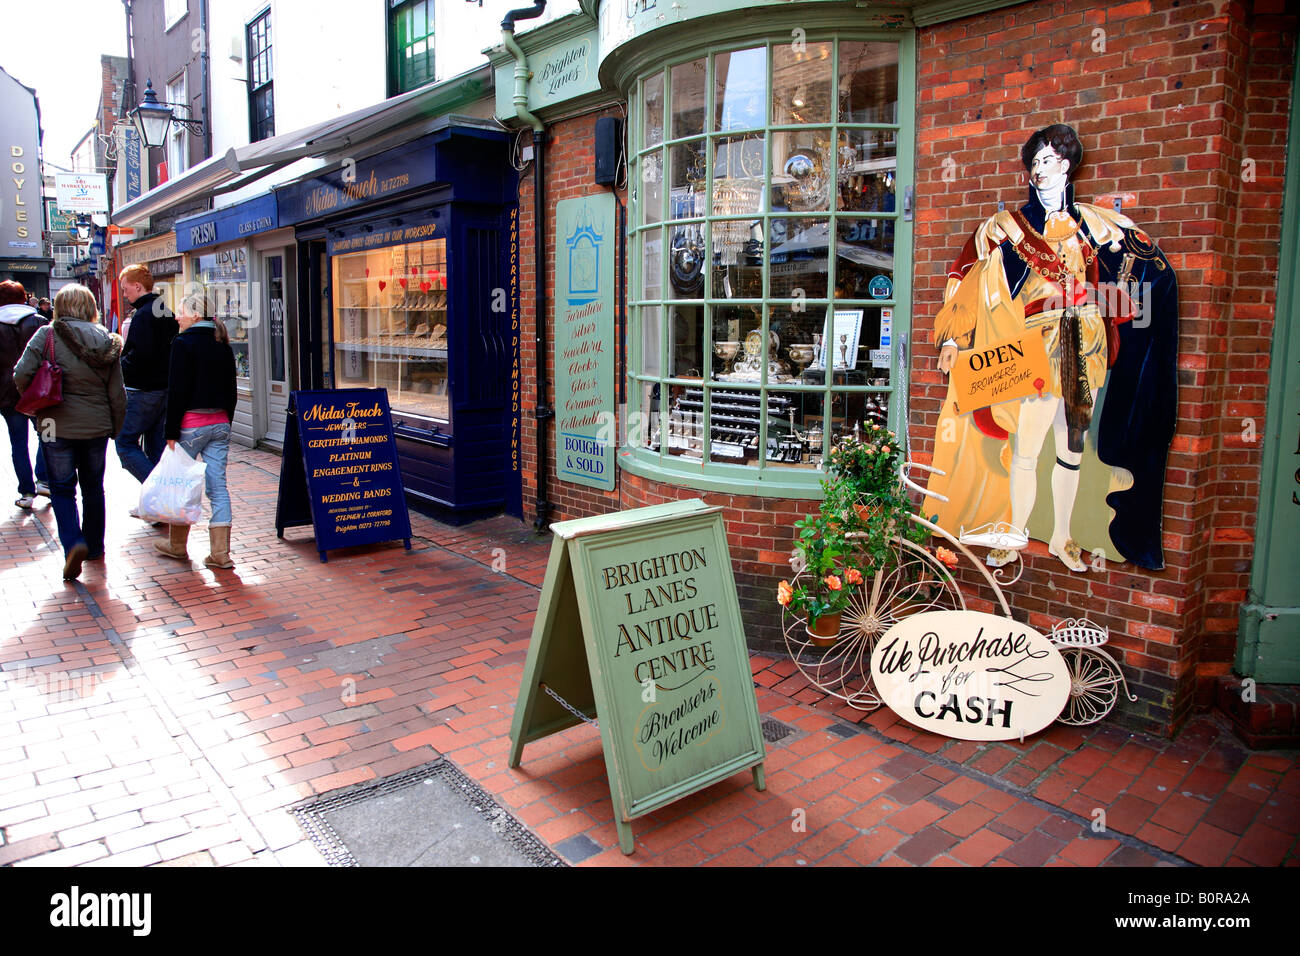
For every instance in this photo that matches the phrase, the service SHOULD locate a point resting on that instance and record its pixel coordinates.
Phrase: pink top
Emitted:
(199, 419)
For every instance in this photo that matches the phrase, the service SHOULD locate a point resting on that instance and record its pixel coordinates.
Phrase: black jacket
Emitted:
(202, 375)
(18, 323)
(148, 341)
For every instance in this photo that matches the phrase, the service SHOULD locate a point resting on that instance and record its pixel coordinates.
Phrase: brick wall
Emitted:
(1168, 100)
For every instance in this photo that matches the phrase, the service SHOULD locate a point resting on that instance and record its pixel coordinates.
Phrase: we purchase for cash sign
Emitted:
(970, 675)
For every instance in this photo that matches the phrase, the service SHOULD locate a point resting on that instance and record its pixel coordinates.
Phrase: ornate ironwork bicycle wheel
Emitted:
(915, 581)
(1095, 680)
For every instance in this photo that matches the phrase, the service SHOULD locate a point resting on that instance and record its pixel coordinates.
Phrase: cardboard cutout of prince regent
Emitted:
(1077, 459)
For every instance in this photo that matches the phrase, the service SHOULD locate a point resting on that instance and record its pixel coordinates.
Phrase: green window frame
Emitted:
(658, 218)
(410, 45)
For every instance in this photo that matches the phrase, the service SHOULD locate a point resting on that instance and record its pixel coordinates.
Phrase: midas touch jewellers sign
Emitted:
(970, 675)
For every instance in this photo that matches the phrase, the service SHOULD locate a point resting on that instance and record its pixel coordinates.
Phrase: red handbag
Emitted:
(46, 387)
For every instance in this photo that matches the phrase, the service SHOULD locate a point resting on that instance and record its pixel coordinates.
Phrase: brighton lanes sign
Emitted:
(970, 675)
(639, 626)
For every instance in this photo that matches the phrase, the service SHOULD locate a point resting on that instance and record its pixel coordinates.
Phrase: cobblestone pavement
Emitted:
(157, 713)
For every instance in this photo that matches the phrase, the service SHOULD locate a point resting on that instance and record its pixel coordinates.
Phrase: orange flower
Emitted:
(885, 449)
(947, 557)
(833, 582)
(784, 593)
(853, 576)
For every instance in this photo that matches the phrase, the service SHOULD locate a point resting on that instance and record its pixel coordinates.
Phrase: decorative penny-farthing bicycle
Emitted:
(916, 581)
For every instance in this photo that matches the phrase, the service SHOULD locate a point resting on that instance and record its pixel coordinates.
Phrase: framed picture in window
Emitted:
(846, 332)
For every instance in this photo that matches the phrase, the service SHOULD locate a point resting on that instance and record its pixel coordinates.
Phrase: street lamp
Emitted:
(152, 117)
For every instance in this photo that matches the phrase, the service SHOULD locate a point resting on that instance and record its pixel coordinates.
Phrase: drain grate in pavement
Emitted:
(774, 730)
(430, 816)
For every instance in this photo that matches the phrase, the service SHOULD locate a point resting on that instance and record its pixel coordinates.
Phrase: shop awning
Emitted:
(361, 127)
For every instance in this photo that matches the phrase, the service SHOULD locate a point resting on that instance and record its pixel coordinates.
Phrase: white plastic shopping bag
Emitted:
(173, 492)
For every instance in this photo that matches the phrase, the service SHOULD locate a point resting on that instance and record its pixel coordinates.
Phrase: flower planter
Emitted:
(826, 631)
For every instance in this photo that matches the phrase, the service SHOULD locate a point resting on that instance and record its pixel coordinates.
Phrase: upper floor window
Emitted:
(178, 141)
(261, 101)
(410, 44)
(173, 10)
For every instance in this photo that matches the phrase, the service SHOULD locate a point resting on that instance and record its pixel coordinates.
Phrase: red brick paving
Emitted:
(156, 714)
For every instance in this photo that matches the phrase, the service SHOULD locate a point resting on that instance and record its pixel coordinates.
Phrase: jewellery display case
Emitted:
(390, 328)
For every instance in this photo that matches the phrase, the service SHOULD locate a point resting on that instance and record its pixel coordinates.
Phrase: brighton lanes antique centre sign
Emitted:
(340, 472)
(970, 675)
(639, 627)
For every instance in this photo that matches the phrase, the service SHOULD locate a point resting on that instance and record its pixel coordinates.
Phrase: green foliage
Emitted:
(864, 508)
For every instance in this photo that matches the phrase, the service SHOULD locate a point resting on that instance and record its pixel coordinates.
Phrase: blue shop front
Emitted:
(404, 282)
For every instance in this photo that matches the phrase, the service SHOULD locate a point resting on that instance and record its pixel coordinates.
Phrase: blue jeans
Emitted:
(74, 461)
(213, 443)
(146, 420)
(18, 442)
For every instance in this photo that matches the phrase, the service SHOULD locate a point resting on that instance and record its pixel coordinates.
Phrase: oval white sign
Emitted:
(970, 675)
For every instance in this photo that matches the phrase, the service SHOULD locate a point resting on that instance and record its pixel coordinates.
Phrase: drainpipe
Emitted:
(543, 412)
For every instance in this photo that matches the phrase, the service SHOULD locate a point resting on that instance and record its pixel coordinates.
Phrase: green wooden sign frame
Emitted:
(677, 713)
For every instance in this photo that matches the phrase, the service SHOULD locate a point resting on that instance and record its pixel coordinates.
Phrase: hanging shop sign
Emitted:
(81, 192)
(228, 224)
(584, 330)
(340, 470)
(639, 627)
(132, 165)
(970, 675)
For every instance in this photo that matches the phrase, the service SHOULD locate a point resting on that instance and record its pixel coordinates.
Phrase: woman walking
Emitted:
(18, 323)
(75, 432)
(200, 407)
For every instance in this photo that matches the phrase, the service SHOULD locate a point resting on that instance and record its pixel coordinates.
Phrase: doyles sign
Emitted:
(970, 675)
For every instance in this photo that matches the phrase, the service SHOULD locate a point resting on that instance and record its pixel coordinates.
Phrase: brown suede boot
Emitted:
(178, 536)
(219, 541)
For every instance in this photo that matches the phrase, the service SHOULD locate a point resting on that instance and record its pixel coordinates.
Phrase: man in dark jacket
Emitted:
(144, 369)
(18, 323)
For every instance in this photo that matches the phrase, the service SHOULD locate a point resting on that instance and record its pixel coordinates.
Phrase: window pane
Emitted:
(644, 432)
(799, 332)
(858, 408)
(801, 84)
(734, 418)
(652, 182)
(687, 169)
(686, 261)
(868, 82)
(738, 259)
(729, 328)
(688, 99)
(738, 171)
(798, 258)
(868, 164)
(652, 264)
(794, 429)
(685, 421)
(864, 259)
(801, 170)
(651, 340)
(686, 341)
(740, 90)
(652, 111)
